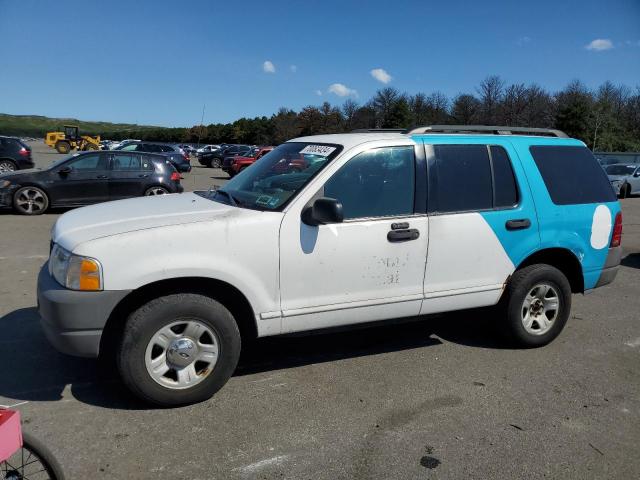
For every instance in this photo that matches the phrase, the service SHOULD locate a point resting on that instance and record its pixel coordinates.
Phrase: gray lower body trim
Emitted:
(611, 266)
(73, 321)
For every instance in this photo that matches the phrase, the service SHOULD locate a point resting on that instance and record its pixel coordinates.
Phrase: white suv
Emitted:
(327, 231)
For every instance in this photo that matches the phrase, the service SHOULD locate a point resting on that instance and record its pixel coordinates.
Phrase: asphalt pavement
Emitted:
(439, 397)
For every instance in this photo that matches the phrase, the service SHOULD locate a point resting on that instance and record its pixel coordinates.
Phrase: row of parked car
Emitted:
(130, 170)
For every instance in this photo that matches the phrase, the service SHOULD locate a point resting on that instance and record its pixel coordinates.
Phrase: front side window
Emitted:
(278, 176)
(86, 163)
(376, 183)
(572, 175)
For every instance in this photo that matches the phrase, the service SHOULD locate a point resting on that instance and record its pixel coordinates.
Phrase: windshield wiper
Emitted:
(232, 200)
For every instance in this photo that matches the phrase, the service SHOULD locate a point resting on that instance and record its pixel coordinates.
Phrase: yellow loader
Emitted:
(69, 140)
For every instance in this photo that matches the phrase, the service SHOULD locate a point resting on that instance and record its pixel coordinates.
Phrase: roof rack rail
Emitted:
(380, 130)
(492, 130)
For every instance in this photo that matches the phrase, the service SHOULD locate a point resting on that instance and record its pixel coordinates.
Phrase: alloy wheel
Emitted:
(7, 166)
(31, 200)
(540, 309)
(182, 354)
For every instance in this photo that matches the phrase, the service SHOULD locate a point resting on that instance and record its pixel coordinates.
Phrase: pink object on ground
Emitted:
(10, 433)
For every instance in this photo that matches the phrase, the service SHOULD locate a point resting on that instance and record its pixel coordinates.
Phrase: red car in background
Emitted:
(233, 165)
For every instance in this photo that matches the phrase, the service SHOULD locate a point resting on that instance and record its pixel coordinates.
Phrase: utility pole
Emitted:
(200, 126)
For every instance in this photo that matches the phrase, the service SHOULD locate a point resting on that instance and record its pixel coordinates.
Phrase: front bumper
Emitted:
(73, 321)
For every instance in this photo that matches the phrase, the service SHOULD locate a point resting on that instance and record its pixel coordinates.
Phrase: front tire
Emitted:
(63, 147)
(625, 191)
(30, 201)
(178, 349)
(536, 305)
(215, 163)
(150, 192)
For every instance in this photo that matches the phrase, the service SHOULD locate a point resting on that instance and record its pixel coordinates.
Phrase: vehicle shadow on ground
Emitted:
(31, 370)
(632, 260)
(50, 211)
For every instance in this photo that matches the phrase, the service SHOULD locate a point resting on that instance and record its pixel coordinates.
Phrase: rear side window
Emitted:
(504, 182)
(572, 175)
(464, 178)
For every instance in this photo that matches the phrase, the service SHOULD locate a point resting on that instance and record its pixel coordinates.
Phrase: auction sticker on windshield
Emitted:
(322, 150)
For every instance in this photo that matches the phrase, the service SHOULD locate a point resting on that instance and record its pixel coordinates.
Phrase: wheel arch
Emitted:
(564, 260)
(225, 293)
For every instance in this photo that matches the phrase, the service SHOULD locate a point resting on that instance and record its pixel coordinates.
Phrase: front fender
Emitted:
(242, 254)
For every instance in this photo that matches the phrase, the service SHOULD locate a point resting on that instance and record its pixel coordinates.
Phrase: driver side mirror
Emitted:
(323, 211)
(65, 170)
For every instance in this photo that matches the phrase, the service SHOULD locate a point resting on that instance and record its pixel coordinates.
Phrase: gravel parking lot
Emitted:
(435, 398)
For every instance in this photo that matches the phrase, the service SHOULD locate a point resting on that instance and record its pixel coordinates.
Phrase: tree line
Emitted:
(606, 118)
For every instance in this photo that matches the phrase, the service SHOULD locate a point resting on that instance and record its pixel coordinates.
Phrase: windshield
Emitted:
(620, 169)
(277, 176)
(253, 152)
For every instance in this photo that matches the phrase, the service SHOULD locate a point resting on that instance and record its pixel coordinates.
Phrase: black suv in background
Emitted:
(178, 157)
(86, 178)
(215, 158)
(14, 155)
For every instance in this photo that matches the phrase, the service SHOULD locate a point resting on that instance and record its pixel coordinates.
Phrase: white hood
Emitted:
(122, 216)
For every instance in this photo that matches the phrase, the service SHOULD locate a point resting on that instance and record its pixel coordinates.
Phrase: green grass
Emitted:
(36, 126)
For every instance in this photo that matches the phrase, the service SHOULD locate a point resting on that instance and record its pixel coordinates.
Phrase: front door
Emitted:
(369, 267)
(81, 181)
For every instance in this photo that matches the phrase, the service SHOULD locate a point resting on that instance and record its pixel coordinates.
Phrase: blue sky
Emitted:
(157, 62)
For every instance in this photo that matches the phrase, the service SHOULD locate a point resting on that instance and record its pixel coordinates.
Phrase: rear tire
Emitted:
(30, 201)
(215, 163)
(535, 305)
(7, 166)
(63, 147)
(152, 341)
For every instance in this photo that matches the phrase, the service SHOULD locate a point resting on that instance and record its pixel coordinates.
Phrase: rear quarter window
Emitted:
(572, 175)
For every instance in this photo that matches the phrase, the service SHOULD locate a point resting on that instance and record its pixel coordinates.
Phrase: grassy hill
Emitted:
(37, 126)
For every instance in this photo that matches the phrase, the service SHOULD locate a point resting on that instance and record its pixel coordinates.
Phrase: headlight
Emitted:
(4, 183)
(74, 271)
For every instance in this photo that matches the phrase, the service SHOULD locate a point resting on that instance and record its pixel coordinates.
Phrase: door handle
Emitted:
(403, 235)
(519, 224)
(101, 176)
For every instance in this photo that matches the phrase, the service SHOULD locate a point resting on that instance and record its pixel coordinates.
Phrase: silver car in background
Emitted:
(624, 178)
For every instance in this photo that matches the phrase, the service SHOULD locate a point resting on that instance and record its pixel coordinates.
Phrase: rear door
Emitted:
(129, 172)
(81, 181)
(482, 223)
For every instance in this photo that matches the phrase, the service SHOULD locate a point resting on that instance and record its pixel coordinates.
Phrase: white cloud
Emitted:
(293, 68)
(600, 44)
(523, 41)
(319, 93)
(342, 90)
(268, 67)
(381, 75)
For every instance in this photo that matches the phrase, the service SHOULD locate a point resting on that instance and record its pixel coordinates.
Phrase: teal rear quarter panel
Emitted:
(567, 226)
